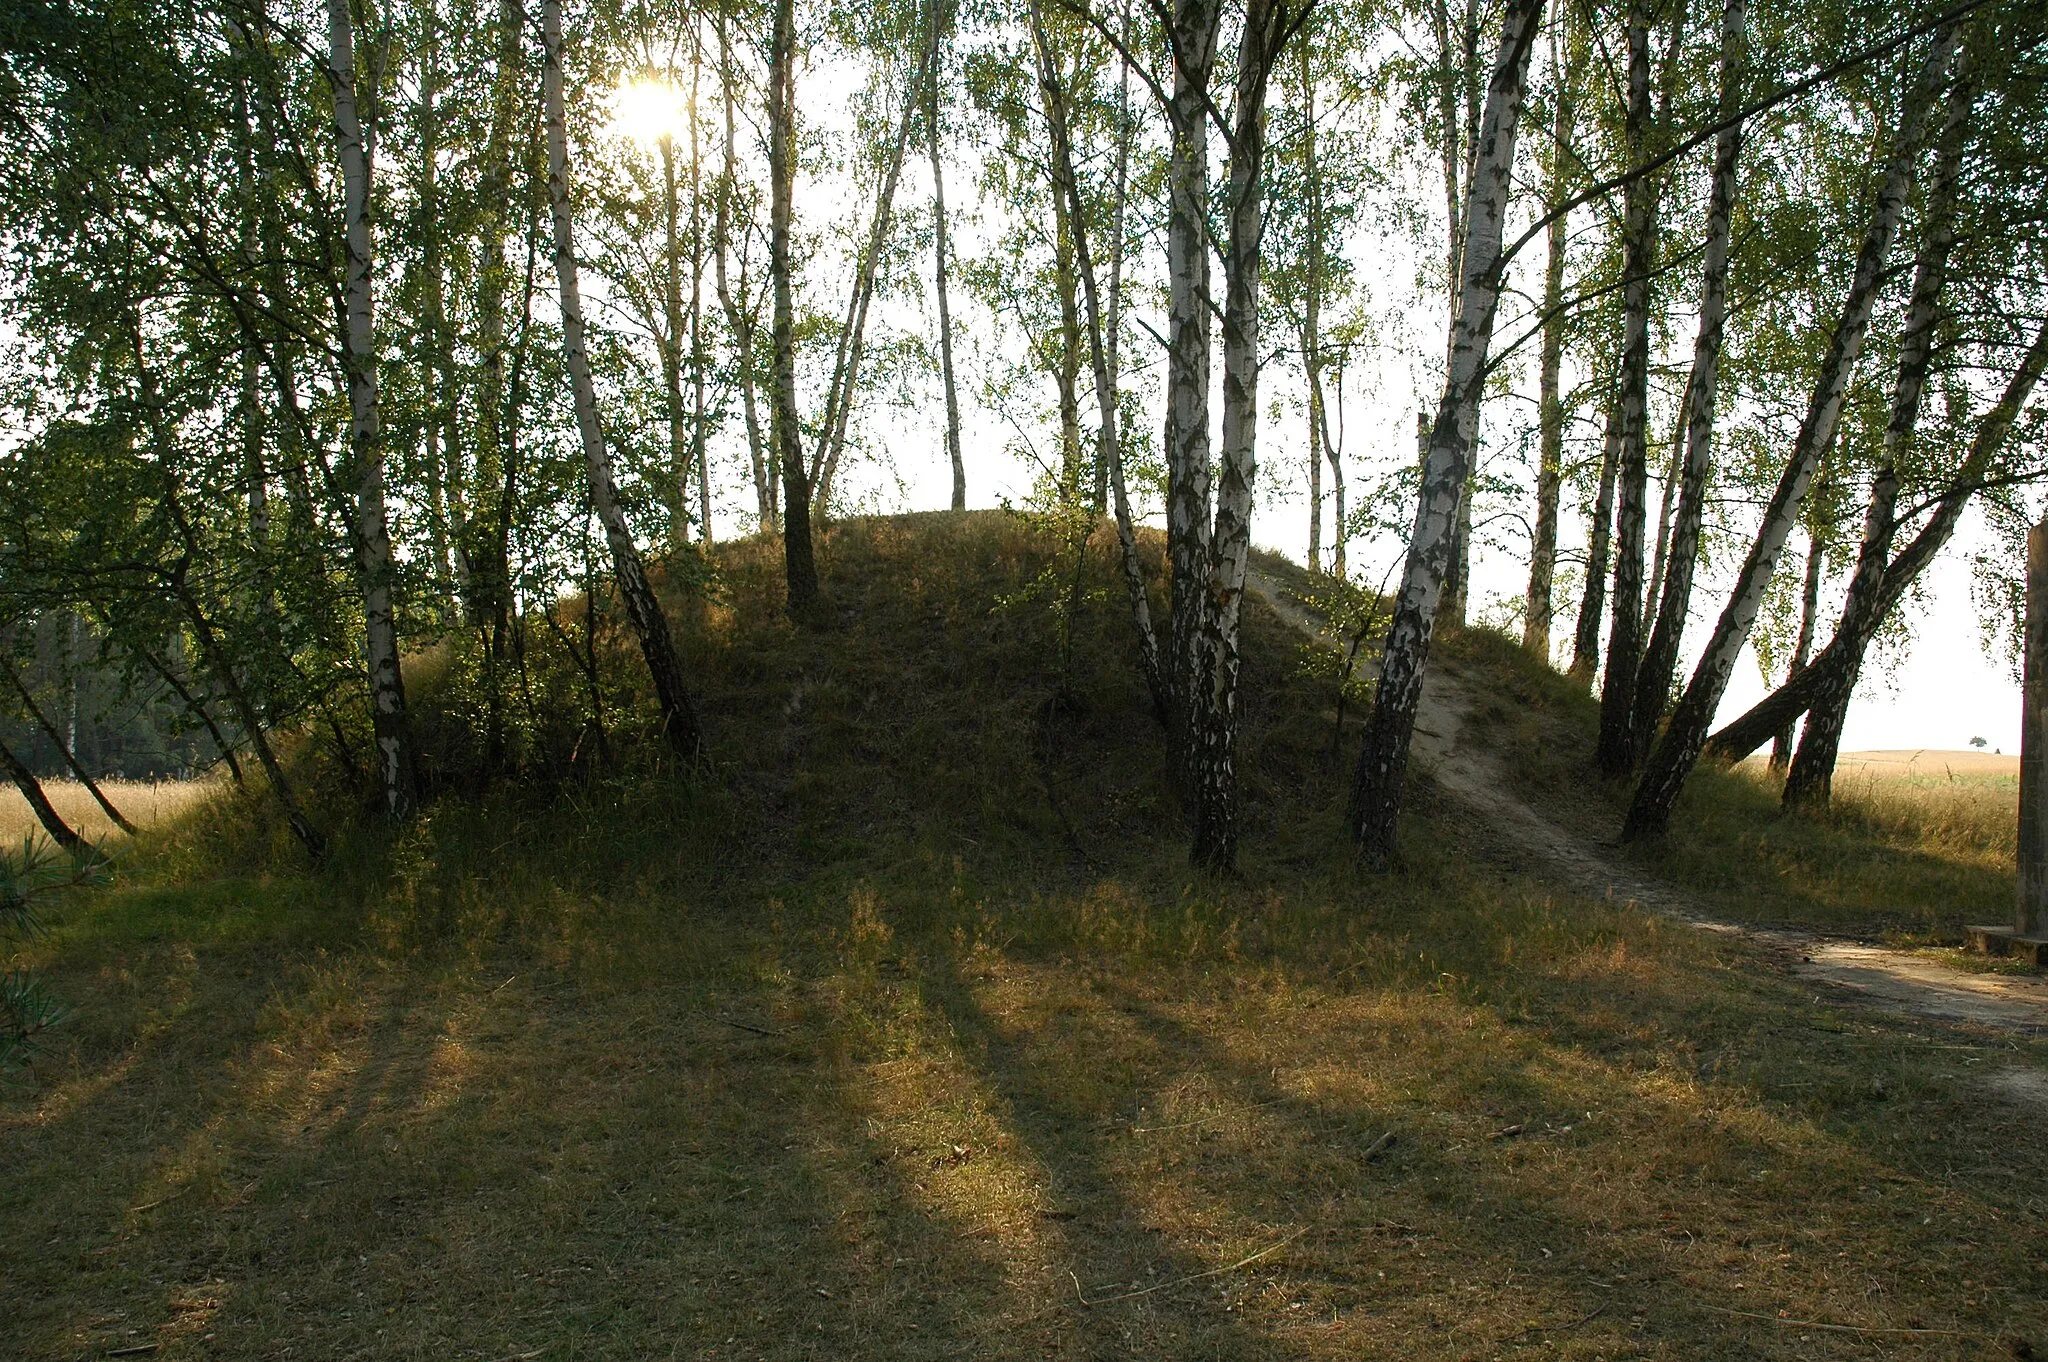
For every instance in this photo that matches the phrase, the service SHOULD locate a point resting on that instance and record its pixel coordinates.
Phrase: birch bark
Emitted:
(1802, 646)
(1811, 779)
(371, 535)
(1215, 709)
(1383, 757)
(1782, 706)
(1194, 25)
(1650, 810)
(800, 567)
(1660, 656)
(1538, 607)
(1624, 639)
(650, 625)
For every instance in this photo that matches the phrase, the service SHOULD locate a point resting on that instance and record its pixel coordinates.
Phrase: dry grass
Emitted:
(1908, 851)
(875, 1062)
(145, 803)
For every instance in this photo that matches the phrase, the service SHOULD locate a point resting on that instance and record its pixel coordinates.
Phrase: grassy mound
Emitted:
(904, 1032)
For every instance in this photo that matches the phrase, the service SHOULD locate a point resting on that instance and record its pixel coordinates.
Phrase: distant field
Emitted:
(1928, 761)
(143, 802)
(1920, 762)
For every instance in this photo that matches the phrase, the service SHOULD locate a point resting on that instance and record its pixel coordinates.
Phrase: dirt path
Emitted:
(1470, 773)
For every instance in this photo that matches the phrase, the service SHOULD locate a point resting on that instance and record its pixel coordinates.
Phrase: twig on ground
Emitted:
(1379, 1146)
(743, 1026)
(1833, 1328)
(152, 1205)
(1245, 1261)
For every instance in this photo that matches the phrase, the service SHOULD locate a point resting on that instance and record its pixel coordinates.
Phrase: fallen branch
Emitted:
(1245, 1261)
(1834, 1328)
(743, 1026)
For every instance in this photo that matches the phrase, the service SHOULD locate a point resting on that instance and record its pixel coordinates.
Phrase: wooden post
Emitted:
(2031, 920)
(2028, 936)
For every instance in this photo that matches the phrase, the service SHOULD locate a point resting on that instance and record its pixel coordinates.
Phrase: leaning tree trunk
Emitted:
(374, 569)
(61, 832)
(853, 335)
(1783, 706)
(1214, 716)
(1383, 758)
(1617, 755)
(1802, 646)
(1660, 657)
(1109, 450)
(65, 749)
(1650, 811)
(799, 564)
(650, 625)
(1811, 779)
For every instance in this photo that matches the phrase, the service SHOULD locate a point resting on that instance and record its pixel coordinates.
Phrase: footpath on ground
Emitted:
(1450, 752)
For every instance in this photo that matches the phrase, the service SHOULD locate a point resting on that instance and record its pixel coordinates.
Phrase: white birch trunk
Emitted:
(1214, 717)
(1650, 811)
(1194, 26)
(1625, 612)
(1811, 778)
(1383, 758)
(359, 356)
(1660, 657)
(650, 625)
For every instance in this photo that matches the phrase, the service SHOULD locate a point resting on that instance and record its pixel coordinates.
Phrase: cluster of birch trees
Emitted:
(347, 334)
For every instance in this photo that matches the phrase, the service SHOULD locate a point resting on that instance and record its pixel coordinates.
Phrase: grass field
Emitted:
(904, 1033)
(145, 803)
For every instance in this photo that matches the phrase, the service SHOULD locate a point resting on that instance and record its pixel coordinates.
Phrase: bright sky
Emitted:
(1947, 691)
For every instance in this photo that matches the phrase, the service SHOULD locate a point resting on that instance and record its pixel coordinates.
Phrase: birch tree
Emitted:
(1383, 755)
(650, 623)
(359, 357)
(1672, 761)
(1660, 655)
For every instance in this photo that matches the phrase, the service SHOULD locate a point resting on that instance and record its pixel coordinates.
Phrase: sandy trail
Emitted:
(1471, 774)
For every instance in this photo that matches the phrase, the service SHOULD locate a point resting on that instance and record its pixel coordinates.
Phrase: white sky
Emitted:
(1947, 690)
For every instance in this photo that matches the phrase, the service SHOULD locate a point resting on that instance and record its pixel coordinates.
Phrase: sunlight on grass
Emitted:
(859, 1048)
(145, 803)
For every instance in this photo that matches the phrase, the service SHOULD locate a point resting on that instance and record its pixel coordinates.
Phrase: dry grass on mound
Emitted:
(906, 1034)
(1912, 854)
